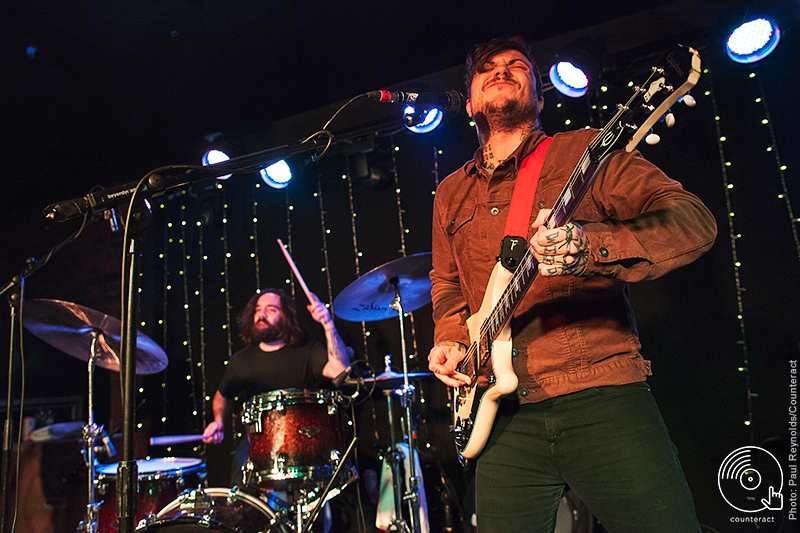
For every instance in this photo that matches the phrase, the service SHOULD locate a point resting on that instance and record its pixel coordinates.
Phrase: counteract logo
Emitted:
(751, 480)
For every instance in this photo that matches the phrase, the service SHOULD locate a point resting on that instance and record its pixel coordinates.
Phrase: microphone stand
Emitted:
(413, 495)
(15, 289)
(153, 184)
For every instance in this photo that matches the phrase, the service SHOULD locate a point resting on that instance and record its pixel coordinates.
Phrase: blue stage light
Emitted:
(569, 79)
(424, 122)
(212, 157)
(277, 175)
(753, 40)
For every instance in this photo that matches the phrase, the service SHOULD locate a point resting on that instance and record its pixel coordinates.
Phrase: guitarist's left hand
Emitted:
(562, 251)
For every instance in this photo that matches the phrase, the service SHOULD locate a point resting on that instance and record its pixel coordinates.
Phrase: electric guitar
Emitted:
(488, 359)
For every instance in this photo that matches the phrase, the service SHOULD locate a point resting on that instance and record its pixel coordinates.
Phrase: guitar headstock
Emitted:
(669, 81)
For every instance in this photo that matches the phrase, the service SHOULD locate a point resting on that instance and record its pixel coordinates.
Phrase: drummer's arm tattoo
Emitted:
(338, 353)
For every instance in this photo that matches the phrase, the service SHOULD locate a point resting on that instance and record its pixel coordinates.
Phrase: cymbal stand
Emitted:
(90, 433)
(406, 392)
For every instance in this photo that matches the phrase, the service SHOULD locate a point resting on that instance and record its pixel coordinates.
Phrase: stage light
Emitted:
(568, 79)
(277, 175)
(424, 121)
(577, 68)
(753, 40)
(214, 156)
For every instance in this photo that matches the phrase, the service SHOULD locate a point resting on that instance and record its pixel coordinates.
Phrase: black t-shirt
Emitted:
(253, 371)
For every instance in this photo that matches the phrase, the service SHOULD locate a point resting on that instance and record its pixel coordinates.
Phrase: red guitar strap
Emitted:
(519, 212)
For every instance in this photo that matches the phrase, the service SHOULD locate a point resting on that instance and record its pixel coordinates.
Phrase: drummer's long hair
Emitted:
(292, 333)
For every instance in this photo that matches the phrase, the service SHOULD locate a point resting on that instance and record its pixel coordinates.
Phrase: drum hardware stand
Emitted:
(406, 391)
(90, 433)
(321, 498)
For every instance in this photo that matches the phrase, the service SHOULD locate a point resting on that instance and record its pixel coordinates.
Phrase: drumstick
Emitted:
(296, 272)
(174, 439)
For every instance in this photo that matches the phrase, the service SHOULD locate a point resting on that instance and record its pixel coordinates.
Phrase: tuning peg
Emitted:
(669, 119)
(652, 138)
(689, 100)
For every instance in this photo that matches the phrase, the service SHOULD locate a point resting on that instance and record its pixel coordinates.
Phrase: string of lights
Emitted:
(356, 252)
(189, 359)
(200, 293)
(781, 168)
(733, 236)
(254, 237)
(325, 232)
(289, 209)
(165, 287)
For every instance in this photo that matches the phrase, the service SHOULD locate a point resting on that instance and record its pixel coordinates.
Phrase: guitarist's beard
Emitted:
(506, 116)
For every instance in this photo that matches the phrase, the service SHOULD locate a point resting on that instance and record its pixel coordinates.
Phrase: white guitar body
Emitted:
(501, 381)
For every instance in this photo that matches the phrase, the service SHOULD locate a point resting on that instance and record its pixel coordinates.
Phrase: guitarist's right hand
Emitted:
(443, 361)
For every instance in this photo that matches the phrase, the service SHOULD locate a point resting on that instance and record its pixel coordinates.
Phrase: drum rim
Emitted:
(289, 395)
(224, 492)
(192, 465)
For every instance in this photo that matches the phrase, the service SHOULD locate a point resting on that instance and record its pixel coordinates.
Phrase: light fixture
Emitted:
(577, 68)
(219, 149)
(423, 120)
(277, 175)
(753, 40)
(568, 79)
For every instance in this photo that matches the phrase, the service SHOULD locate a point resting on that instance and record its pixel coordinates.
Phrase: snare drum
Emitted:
(160, 482)
(215, 509)
(294, 437)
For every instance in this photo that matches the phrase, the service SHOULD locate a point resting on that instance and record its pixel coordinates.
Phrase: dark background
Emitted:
(116, 89)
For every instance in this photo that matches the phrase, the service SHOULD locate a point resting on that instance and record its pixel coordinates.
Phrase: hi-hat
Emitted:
(392, 380)
(71, 327)
(370, 297)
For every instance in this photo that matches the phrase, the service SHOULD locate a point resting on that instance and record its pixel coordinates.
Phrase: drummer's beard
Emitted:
(263, 331)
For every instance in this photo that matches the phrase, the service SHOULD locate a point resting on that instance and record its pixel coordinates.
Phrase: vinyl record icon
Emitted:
(749, 477)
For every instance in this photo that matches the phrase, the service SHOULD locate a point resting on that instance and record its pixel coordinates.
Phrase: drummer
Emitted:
(278, 355)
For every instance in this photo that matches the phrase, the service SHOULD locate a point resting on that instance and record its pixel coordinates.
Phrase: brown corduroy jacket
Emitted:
(569, 332)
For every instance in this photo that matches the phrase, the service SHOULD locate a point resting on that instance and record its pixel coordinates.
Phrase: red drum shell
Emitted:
(293, 434)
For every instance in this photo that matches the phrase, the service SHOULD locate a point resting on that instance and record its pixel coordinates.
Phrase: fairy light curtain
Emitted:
(217, 245)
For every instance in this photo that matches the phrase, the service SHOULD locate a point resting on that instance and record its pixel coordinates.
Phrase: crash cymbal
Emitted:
(63, 430)
(68, 327)
(392, 380)
(369, 297)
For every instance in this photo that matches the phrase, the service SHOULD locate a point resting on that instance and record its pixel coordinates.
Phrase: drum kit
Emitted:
(296, 438)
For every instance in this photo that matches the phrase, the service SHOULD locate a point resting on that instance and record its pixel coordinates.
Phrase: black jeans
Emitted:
(609, 444)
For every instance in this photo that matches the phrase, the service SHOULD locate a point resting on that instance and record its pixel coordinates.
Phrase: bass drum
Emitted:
(216, 509)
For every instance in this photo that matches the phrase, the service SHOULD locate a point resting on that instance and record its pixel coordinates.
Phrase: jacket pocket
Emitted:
(458, 217)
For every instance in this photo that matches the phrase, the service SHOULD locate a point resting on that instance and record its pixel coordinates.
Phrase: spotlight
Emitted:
(277, 175)
(422, 121)
(568, 79)
(218, 150)
(212, 157)
(753, 40)
(577, 68)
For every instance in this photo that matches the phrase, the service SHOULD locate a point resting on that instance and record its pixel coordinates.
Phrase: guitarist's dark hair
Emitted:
(481, 53)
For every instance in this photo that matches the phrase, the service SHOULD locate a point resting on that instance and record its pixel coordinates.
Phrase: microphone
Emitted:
(451, 102)
(339, 380)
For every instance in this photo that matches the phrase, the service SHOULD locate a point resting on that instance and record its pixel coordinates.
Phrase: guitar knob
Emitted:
(689, 100)
(669, 120)
(652, 138)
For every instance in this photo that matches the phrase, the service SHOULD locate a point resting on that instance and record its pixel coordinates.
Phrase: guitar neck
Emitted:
(638, 115)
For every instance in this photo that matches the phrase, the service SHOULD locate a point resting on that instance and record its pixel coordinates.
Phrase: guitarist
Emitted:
(582, 414)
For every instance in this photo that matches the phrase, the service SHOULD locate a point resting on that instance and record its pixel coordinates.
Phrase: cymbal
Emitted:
(369, 297)
(392, 380)
(63, 430)
(68, 327)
